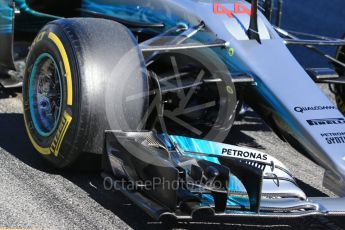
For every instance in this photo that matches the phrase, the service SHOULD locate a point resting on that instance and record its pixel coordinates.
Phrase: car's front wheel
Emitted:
(69, 68)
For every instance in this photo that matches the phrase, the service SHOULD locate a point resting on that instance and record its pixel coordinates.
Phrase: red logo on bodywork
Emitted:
(238, 9)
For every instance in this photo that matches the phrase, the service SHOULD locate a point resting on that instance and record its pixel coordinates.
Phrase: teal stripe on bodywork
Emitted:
(6, 15)
(24, 8)
(28, 20)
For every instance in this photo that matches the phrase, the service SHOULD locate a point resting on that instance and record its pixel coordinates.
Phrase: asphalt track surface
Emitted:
(32, 195)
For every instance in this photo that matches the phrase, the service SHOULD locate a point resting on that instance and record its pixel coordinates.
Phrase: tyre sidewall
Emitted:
(60, 141)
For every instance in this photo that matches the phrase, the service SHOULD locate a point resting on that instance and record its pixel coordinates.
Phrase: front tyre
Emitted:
(70, 63)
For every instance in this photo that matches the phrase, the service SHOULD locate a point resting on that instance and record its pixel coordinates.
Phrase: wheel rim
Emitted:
(45, 94)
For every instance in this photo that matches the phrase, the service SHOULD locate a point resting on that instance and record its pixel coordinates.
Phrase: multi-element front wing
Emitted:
(144, 166)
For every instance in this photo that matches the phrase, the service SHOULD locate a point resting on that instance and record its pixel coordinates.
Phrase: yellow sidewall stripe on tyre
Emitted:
(65, 60)
(42, 150)
(55, 146)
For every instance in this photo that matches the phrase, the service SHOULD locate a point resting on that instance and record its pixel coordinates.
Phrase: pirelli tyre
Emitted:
(340, 88)
(70, 63)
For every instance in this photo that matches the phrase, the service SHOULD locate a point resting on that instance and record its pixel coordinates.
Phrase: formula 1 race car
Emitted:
(153, 87)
